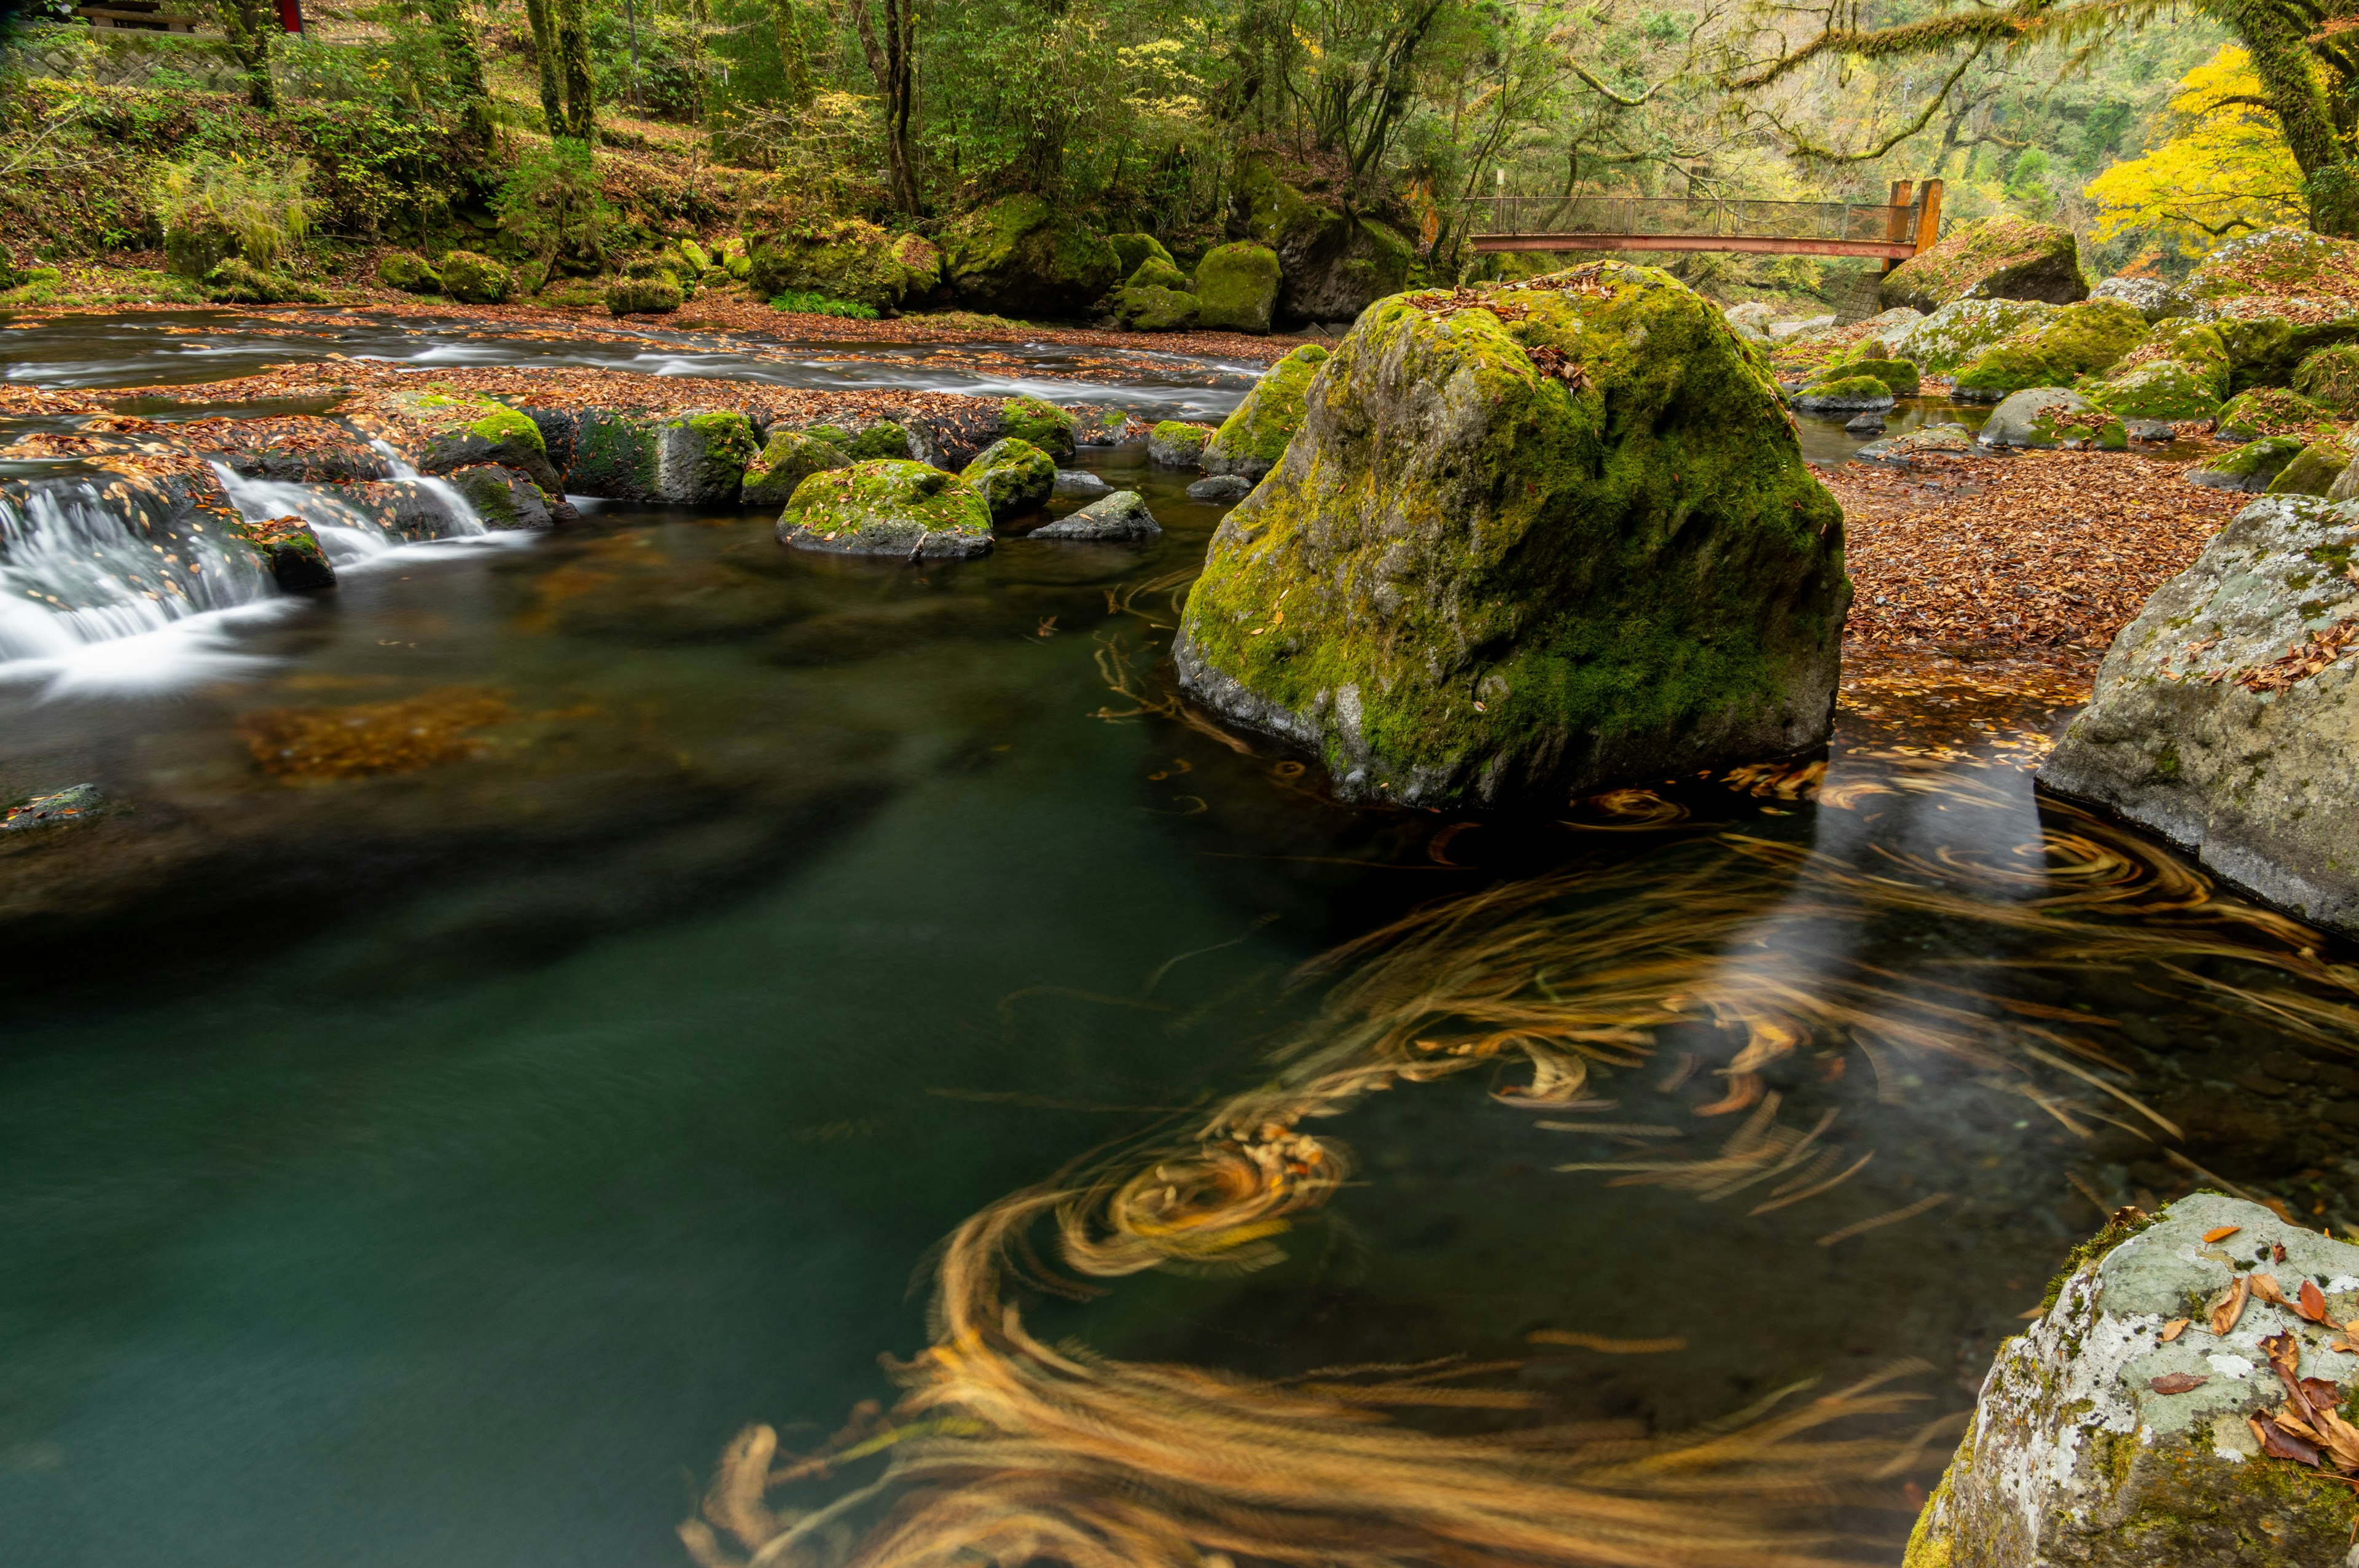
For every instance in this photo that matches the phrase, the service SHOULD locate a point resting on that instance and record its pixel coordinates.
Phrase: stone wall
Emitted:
(120, 56)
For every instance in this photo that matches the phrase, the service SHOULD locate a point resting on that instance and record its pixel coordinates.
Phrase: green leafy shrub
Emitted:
(214, 208)
(810, 303)
(550, 207)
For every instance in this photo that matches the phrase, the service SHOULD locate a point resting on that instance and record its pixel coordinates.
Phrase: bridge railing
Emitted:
(1586, 214)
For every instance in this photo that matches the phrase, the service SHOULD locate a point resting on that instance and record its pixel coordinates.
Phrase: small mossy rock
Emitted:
(1041, 423)
(477, 279)
(1899, 376)
(879, 439)
(2330, 376)
(2073, 1459)
(440, 429)
(845, 258)
(2267, 411)
(502, 498)
(55, 808)
(1250, 440)
(787, 459)
(1177, 444)
(1101, 425)
(2222, 721)
(1134, 250)
(1474, 578)
(657, 296)
(2086, 339)
(1998, 258)
(1122, 516)
(2179, 372)
(409, 272)
(1331, 265)
(2149, 297)
(1236, 288)
(2250, 466)
(2045, 418)
(1846, 393)
(1155, 309)
(2318, 465)
(1156, 272)
(887, 507)
(291, 553)
(1959, 332)
(696, 255)
(1020, 257)
(234, 281)
(1013, 476)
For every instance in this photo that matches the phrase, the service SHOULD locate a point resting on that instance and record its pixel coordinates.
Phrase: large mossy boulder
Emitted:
(2277, 296)
(787, 459)
(1998, 258)
(2226, 715)
(2086, 339)
(2045, 418)
(1134, 250)
(1331, 265)
(1960, 331)
(907, 510)
(1236, 288)
(1152, 308)
(2179, 372)
(690, 459)
(409, 272)
(1843, 393)
(1253, 439)
(439, 428)
(476, 278)
(1040, 422)
(657, 295)
(2319, 464)
(843, 258)
(504, 501)
(1013, 476)
(1900, 375)
(1564, 544)
(2118, 1431)
(1157, 273)
(1020, 257)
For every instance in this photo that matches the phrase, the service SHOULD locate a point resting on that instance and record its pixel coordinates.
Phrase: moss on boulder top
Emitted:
(409, 272)
(477, 279)
(657, 296)
(1959, 331)
(1151, 307)
(787, 459)
(1236, 288)
(1898, 376)
(1013, 476)
(887, 508)
(2319, 464)
(1557, 538)
(2249, 468)
(2086, 339)
(2277, 265)
(2269, 411)
(2330, 376)
(1250, 440)
(1176, 443)
(1845, 393)
(1135, 250)
(1040, 422)
(1331, 265)
(845, 258)
(2179, 371)
(1157, 273)
(1023, 258)
(439, 428)
(1998, 258)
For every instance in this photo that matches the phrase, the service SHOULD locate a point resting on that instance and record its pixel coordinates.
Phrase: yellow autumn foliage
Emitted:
(2225, 169)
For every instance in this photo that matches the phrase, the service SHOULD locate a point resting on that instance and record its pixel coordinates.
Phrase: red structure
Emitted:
(291, 15)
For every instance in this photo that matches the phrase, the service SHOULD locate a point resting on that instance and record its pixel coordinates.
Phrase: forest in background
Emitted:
(2147, 131)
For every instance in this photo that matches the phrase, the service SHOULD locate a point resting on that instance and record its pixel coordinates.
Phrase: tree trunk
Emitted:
(456, 31)
(2278, 41)
(894, 65)
(787, 22)
(581, 89)
(546, 49)
(251, 24)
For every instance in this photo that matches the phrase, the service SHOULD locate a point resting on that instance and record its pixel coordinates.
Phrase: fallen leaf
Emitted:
(2173, 1329)
(2221, 1233)
(2324, 1393)
(2276, 1252)
(2224, 1316)
(2265, 1287)
(2176, 1382)
(2312, 1304)
(2279, 1444)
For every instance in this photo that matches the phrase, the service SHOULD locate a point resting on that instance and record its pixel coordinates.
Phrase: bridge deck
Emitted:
(1893, 230)
(1759, 243)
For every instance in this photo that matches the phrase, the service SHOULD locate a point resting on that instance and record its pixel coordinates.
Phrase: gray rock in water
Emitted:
(1079, 481)
(502, 498)
(2029, 418)
(1220, 487)
(54, 809)
(1936, 440)
(2075, 1458)
(1122, 516)
(1869, 423)
(2149, 297)
(2150, 429)
(2226, 715)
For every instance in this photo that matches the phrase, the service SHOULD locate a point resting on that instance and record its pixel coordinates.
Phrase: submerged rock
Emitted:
(1080, 482)
(1998, 258)
(2097, 1443)
(1250, 440)
(54, 809)
(1220, 487)
(1870, 424)
(1932, 440)
(1177, 444)
(2226, 715)
(1012, 476)
(1515, 556)
(2049, 417)
(1121, 515)
(787, 459)
(887, 508)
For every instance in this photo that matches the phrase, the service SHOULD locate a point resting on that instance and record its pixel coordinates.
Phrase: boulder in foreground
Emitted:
(1252, 439)
(1540, 538)
(2226, 715)
(887, 507)
(2098, 1443)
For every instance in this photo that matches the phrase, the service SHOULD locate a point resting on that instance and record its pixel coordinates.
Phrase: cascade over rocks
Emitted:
(439, 429)
(1559, 537)
(2226, 715)
(2098, 1443)
(1998, 258)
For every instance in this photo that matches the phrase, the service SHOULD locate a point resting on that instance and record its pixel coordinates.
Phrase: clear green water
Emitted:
(437, 1169)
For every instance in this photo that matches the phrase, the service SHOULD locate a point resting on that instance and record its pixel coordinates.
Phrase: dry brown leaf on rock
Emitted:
(2232, 1307)
(2176, 1382)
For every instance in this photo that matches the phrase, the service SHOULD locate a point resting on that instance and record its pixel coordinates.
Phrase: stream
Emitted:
(548, 1001)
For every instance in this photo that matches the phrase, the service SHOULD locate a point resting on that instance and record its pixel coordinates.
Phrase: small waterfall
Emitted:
(464, 519)
(74, 573)
(347, 535)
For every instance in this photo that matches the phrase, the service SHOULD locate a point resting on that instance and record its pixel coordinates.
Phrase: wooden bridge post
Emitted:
(1895, 222)
(1928, 215)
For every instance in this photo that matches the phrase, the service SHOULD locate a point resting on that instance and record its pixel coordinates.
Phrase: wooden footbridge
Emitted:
(1896, 230)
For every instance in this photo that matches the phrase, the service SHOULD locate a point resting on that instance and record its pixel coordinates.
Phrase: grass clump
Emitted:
(808, 303)
(214, 208)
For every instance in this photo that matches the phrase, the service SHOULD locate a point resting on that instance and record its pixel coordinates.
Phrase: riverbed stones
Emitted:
(1946, 441)
(1178, 444)
(887, 507)
(1012, 476)
(1868, 424)
(2074, 1458)
(1998, 258)
(842, 258)
(1121, 515)
(502, 499)
(1252, 438)
(685, 459)
(2045, 418)
(2226, 715)
(1515, 553)
(787, 459)
(1220, 488)
(1080, 482)
(440, 428)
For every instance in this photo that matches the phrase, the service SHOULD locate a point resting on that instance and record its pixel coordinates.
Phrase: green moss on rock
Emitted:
(2250, 466)
(2330, 376)
(1960, 331)
(1154, 308)
(887, 508)
(1898, 376)
(1998, 258)
(2179, 373)
(882, 439)
(1020, 257)
(1472, 577)
(477, 279)
(440, 428)
(1157, 273)
(846, 259)
(2318, 465)
(1041, 423)
(409, 272)
(1013, 476)
(1133, 250)
(1236, 288)
(787, 459)
(657, 296)
(2269, 411)
(1175, 443)
(1250, 440)
(2081, 340)
(1845, 391)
